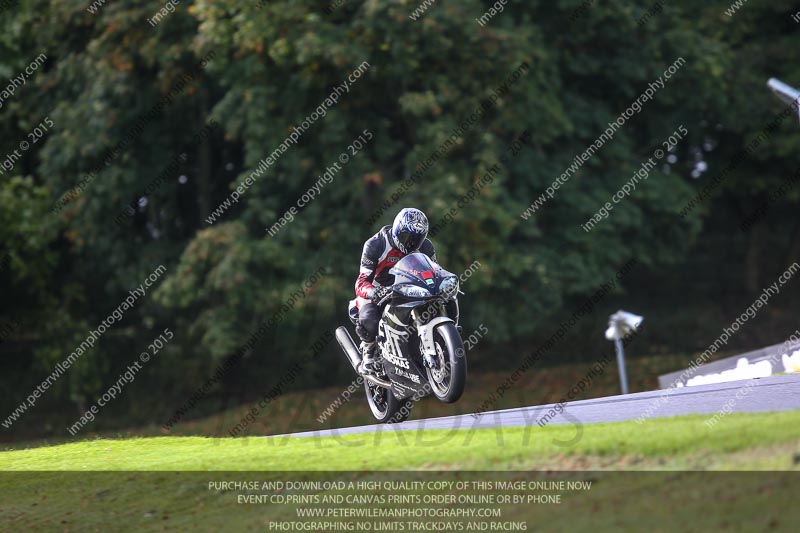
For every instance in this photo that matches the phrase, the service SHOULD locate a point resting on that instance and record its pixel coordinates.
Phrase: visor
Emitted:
(410, 242)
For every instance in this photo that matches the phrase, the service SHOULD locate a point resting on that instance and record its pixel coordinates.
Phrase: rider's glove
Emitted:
(376, 294)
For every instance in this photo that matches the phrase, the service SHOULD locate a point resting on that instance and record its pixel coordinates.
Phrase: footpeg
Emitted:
(368, 368)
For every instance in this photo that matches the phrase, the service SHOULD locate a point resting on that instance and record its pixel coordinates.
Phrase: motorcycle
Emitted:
(419, 346)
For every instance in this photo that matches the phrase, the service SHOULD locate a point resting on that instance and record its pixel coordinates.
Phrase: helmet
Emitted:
(409, 230)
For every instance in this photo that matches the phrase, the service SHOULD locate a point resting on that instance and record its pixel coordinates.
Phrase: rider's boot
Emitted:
(368, 359)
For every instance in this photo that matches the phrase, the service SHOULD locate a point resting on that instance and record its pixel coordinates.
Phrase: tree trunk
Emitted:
(205, 186)
(793, 253)
(754, 257)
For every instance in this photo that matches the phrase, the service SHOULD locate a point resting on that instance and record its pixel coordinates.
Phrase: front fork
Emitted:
(425, 330)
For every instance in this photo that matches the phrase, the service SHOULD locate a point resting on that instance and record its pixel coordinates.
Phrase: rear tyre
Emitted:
(385, 406)
(450, 378)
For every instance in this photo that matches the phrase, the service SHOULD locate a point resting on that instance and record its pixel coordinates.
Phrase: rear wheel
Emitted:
(449, 378)
(385, 406)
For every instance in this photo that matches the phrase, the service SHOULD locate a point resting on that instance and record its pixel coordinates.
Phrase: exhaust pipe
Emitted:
(349, 347)
(378, 381)
(354, 356)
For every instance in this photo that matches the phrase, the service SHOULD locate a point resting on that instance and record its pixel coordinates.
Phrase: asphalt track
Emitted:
(778, 393)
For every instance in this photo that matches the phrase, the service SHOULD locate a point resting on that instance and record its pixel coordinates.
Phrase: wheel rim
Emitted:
(440, 377)
(378, 399)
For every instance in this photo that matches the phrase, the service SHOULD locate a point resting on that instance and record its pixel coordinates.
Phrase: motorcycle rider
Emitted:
(407, 234)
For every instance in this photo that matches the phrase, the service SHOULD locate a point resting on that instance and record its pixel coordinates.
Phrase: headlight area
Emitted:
(412, 291)
(449, 287)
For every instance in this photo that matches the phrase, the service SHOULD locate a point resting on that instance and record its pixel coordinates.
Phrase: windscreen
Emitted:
(413, 266)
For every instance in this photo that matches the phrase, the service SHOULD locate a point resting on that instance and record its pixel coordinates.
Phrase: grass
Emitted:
(654, 473)
(738, 441)
(164, 483)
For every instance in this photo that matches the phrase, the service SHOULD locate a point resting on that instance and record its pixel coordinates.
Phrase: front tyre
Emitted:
(385, 406)
(450, 377)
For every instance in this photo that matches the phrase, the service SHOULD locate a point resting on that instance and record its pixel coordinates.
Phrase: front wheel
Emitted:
(449, 379)
(385, 406)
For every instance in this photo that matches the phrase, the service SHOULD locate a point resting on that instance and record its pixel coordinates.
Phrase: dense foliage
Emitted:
(154, 127)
